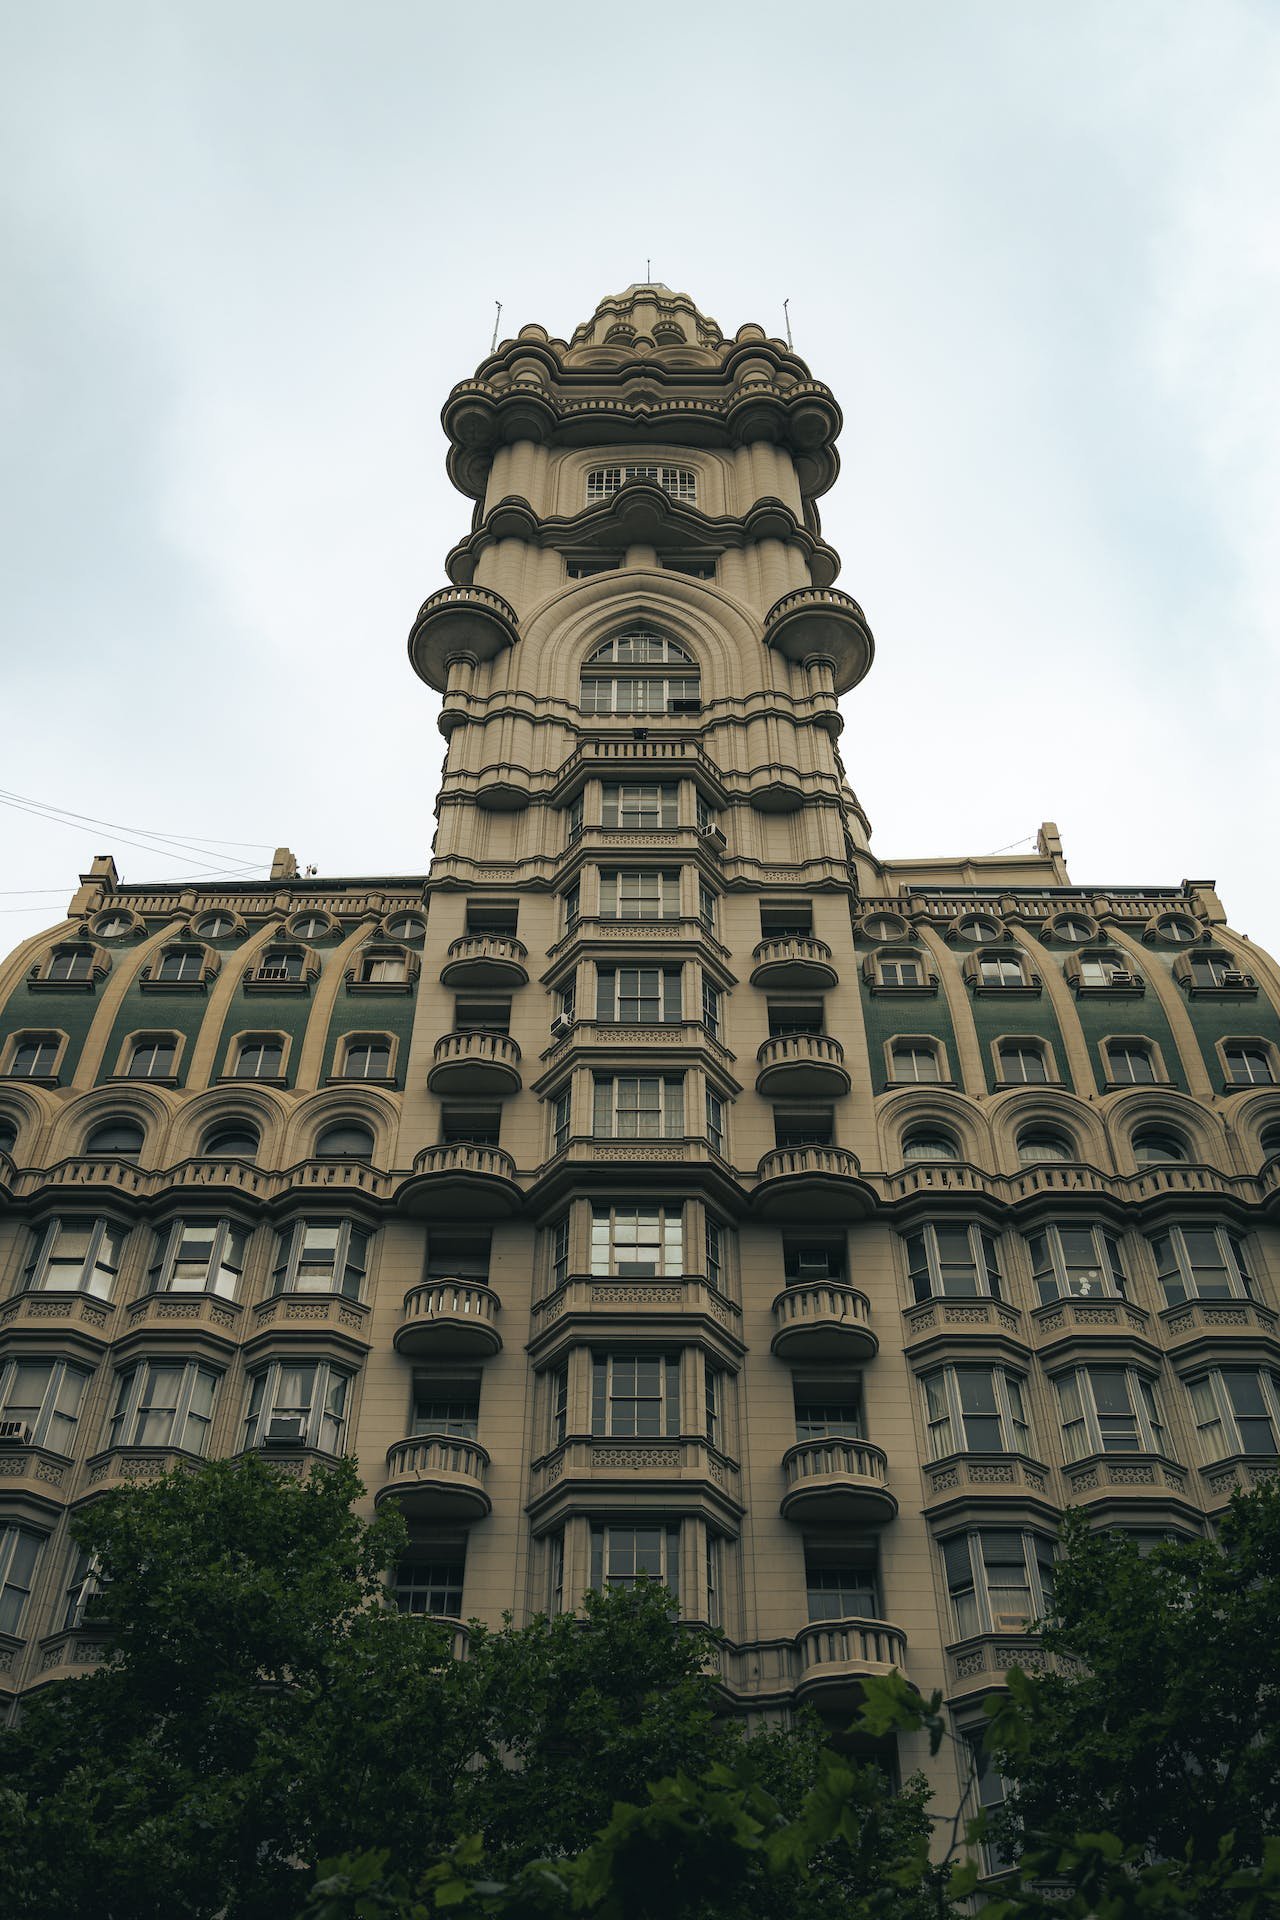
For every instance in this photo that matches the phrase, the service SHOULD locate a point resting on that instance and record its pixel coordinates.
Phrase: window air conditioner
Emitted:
(14, 1433)
(1231, 978)
(288, 1432)
(684, 706)
(561, 1025)
(713, 833)
(1120, 977)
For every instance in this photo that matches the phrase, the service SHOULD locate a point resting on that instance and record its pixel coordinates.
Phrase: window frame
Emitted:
(947, 1419)
(131, 1409)
(1106, 1259)
(48, 1410)
(984, 1259)
(1179, 1264)
(980, 1615)
(101, 1228)
(224, 1266)
(349, 1266)
(607, 1250)
(1227, 1416)
(12, 1534)
(262, 1404)
(635, 1393)
(617, 1115)
(663, 1541)
(1084, 1434)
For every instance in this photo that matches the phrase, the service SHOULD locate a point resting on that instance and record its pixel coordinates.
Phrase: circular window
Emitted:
(310, 926)
(929, 1143)
(347, 1140)
(122, 1138)
(1158, 1146)
(976, 928)
(9, 1136)
(112, 926)
(406, 926)
(237, 1139)
(884, 926)
(215, 926)
(1070, 926)
(1174, 926)
(1037, 1146)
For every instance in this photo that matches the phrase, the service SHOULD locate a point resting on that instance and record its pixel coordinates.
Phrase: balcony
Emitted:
(285, 1319)
(801, 1066)
(591, 1473)
(968, 1476)
(941, 1321)
(437, 1477)
(59, 1315)
(837, 1482)
(475, 1062)
(485, 960)
(794, 961)
(456, 1181)
(823, 1320)
(980, 1665)
(811, 1183)
(835, 1657)
(1230, 1329)
(34, 1476)
(1091, 1329)
(459, 620)
(207, 1318)
(1106, 1479)
(822, 622)
(453, 1318)
(674, 1307)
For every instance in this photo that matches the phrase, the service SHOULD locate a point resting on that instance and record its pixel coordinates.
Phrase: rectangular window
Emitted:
(322, 1256)
(640, 806)
(999, 1580)
(638, 1107)
(76, 1256)
(558, 1243)
(464, 1125)
(429, 1578)
(638, 1243)
(574, 812)
(787, 1017)
(713, 1241)
(1201, 1263)
(840, 1578)
(715, 1121)
(989, 1790)
(572, 906)
(181, 963)
(715, 1553)
(712, 1000)
(152, 1059)
(162, 1405)
(707, 906)
(385, 969)
(807, 1259)
(956, 1262)
(1129, 1063)
(458, 1255)
(625, 1556)
(1108, 1410)
(297, 1403)
(975, 1410)
(1082, 1263)
(481, 1016)
(497, 917)
(260, 1059)
(713, 1404)
(815, 1129)
(790, 920)
(71, 963)
(446, 1403)
(561, 1108)
(639, 894)
(20, 1550)
(201, 1256)
(84, 1583)
(635, 1395)
(45, 1396)
(900, 973)
(1237, 1410)
(828, 1410)
(638, 996)
(558, 1384)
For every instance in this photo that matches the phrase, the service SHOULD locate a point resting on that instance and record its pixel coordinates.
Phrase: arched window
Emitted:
(260, 1056)
(1158, 1146)
(1039, 1146)
(121, 1138)
(237, 1139)
(71, 963)
(929, 1143)
(152, 1057)
(641, 673)
(680, 482)
(1249, 1063)
(9, 1136)
(367, 1057)
(915, 1060)
(345, 1140)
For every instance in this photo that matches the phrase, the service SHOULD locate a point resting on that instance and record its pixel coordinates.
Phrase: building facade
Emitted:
(661, 1183)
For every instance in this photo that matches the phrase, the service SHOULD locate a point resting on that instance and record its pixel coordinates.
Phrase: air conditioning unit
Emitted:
(288, 1432)
(1120, 977)
(684, 706)
(14, 1433)
(1231, 978)
(713, 833)
(561, 1025)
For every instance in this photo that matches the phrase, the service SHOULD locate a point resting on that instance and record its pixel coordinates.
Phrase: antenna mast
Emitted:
(786, 321)
(493, 344)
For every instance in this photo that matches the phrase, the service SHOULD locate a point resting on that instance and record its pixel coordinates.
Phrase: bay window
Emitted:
(1108, 1410)
(957, 1262)
(975, 1410)
(1237, 1410)
(322, 1256)
(46, 1396)
(1000, 1580)
(1082, 1263)
(1201, 1263)
(200, 1256)
(76, 1255)
(297, 1402)
(164, 1404)
(636, 1242)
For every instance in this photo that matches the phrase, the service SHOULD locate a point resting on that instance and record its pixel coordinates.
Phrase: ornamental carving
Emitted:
(966, 1316)
(667, 1457)
(51, 1657)
(1132, 1476)
(1226, 1316)
(51, 1310)
(637, 1296)
(1222, 1482)
(1179, 1322)
(1260, 1475)
(177, 1309)
(7, 1657)
(1082, 1482)
(924, 1322)
(12, 1465)
(306, 1310)
(221, 1318)
(993, 1476)
(942, 1482)
(552, 1471)
(1052, 1323)
(967, 1664)
(50, 1472)
(87, 1652)
(1174, 1479)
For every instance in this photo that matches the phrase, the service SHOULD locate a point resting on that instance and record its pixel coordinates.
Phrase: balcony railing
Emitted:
(793, 960)
(801, 1065)
(822, 1320)
(438, 1476)
(449, 1317)
(837, 1480)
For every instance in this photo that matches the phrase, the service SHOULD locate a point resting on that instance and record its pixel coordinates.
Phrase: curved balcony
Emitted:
(835, 1657)
(475, 1063)
(797, 960)
(459, 620)
(822, 622)
(437, 1476)
(457, 1181)
(449, 1318)
(837, 1483)
(822, 1320)
(801, 1066)
(809, 1183)
(485, 960)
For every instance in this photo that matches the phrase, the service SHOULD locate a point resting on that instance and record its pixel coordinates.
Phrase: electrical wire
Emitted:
(174, 851)
(209, 839)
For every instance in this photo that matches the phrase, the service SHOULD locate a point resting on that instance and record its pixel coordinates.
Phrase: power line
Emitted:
(210, 840)
(1009, 849)
(173, 851)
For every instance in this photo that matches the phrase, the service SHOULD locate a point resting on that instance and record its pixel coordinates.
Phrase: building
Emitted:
(661, 1182)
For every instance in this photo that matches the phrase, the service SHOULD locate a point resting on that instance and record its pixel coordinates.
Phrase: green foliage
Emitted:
(265, 1709)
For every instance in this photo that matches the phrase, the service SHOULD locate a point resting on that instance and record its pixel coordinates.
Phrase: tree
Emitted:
(265, 1707)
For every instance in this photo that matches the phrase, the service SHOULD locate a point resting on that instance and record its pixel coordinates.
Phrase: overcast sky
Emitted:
(248, 248)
